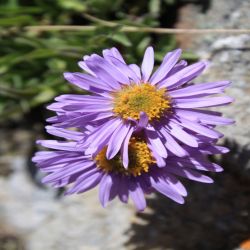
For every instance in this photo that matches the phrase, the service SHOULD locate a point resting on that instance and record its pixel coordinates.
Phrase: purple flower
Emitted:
(127, 99)
(68, 164)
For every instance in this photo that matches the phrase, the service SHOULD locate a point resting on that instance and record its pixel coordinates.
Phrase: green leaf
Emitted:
(155, 7)
(122, 39)
(75, 5)
(17, 21)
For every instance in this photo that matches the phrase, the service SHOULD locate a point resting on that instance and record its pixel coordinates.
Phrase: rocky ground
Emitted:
(214, 217)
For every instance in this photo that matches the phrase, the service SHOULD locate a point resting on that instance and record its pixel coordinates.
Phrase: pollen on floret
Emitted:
(133, 99)
(140, 159)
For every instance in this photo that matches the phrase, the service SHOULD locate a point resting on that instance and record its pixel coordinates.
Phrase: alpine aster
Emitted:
(126, 99)
(68, 165)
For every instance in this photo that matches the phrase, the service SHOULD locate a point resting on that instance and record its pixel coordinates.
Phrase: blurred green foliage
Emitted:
(32, 62)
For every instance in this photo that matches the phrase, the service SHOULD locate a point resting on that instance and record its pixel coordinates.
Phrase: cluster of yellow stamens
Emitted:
(133, 99)
(140, 159)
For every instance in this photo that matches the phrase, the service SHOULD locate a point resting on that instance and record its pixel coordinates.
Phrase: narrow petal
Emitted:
(124, 151)
(213, 149)
(160, 161)
(123, 189)
(64, 133)
(116, 140)
(137, 195)
(69, 170)
(85, 81)
(202, 102)
(114, 53)
(126, 69)
(179, 66)
(67, 146)
(183, 76)
(155, 141)
(163, 187)
(190, 174)
(201, 89)
(136, 69)
(85, 182)
(147, 64)
(101, 70)
(168, 63)
(176, 131)
(104, 189)
(193, 126)
(203, 116)
(101, 137)
(82, 120)
(176, 184)
(78, 107)
(143, 122)
(84, 66)
(172, 145)
(110, 69)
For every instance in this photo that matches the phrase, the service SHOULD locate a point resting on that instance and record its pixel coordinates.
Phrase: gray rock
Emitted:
(76, 222)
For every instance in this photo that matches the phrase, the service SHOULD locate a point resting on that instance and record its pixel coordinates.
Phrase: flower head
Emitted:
(67, 165)
(136, 131)
(126, 99)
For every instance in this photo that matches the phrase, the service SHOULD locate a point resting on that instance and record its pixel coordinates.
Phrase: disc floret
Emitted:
(133, 99)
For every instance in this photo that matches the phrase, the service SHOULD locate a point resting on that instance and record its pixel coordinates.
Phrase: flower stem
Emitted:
(132, 29)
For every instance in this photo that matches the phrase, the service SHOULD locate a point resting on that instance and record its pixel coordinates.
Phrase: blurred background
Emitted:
(32, 61)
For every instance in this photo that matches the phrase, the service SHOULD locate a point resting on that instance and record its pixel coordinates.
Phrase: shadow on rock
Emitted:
(214, 216)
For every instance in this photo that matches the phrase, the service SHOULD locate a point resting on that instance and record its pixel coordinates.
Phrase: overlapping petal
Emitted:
(179, 136)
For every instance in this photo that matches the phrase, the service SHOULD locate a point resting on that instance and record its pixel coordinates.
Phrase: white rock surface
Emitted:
(76, 222)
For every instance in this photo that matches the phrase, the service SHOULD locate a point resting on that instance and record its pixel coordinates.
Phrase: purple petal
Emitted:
(190, 174)
(124, 151)
(201, 89)
(193, 126)
(111, 70)
(176, 131)
(143, 122)
(126, 69)
(172, 145)
(176, 184)
(179, 66)
(198, 163)
(136, 69)
(155, 141)
(68, 170)
(203, 116)
(168, 63)
(183, 76)
(123, 189)
(84, 66)
(202, 102)
(116, 140)
(67, 146)
(212, 149)
(82, 120)
(104, 189)
(104, 71)
(86, 182)
(159, 160)
(84, 81)
(84, 99)
(78, 107)
(147, 64)
(163, 187)
(67, 134)
(100, 136)
(137, 195)
(114, 53)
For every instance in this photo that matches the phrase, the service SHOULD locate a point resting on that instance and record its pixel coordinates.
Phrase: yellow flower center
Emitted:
(140, 159)
(133, 99)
